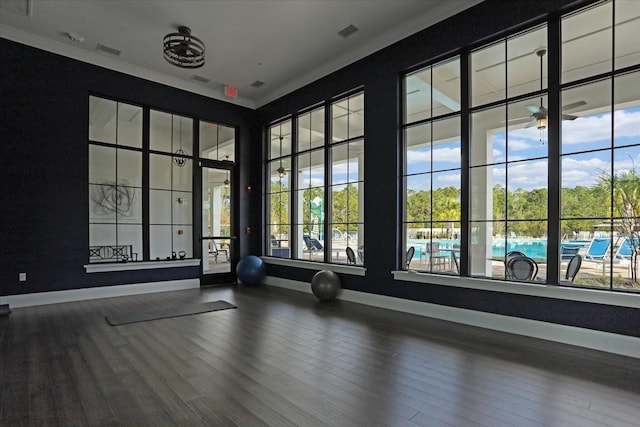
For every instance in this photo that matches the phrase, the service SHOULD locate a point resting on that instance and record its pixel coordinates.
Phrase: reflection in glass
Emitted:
(280, 140)
(217, 142)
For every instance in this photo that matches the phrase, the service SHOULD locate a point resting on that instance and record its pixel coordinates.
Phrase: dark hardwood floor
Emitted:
(283, 359)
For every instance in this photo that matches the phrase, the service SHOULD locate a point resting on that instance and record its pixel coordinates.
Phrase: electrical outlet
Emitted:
(22, 277)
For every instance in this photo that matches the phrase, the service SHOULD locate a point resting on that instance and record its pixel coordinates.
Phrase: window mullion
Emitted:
(465, 140)
(328, 202)
(554, 180)
(146, 233)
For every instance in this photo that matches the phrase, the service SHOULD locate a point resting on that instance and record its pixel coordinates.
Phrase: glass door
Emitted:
(217, 228)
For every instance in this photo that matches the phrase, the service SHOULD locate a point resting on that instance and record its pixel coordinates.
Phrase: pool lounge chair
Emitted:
(312, 246)
(625, 250)
(568, 251)
(308, 246)
(598, 251)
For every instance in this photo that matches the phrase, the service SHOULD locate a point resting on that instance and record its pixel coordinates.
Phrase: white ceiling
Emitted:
(284, 43)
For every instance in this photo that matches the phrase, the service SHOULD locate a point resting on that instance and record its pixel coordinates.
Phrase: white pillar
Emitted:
(481, 203)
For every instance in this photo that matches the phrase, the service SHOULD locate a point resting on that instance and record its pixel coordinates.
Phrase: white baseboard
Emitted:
(588, 338)
(54, 297)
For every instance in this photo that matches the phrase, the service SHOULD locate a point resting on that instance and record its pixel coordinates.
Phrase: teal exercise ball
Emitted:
(325, 285)
(251, 270)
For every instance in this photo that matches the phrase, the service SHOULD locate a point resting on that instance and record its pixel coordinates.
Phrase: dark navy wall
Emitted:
(44, 166)
(380, 74)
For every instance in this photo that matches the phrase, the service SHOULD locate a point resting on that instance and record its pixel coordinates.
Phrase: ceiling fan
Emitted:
(281, 170)
(539, 113)
(227, 175)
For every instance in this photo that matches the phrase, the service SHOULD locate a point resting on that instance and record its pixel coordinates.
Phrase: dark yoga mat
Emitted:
(185, 310)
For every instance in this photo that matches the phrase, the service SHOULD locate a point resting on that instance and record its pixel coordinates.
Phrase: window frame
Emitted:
(296, 251)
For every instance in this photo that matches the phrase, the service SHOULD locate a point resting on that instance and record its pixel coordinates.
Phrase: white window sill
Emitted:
(310, 265)
(139, 265)
(621, 299)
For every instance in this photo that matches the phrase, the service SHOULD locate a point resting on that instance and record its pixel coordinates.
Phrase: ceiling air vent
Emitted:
(257, 83)
(109, 50)
(347, 31)
(200, 79)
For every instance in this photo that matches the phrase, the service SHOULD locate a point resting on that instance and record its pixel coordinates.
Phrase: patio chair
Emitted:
(454, 257)
(351, 256)
(215, 251)
(572, 268)
(433, 252)
(598, 251)
(514, 254)
(521, 268)
(410, 253)
(509, 256)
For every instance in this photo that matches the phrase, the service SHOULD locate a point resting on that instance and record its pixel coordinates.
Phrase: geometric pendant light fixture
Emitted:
(183, 50)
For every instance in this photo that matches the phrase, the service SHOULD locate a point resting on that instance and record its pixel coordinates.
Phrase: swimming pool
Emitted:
(534, 248)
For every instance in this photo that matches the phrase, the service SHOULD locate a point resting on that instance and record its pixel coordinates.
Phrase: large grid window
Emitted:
(432, 168)
(575, 189)
(508, 154)
(317, 212)
(347, 178)
(278, 191)
(600, 144)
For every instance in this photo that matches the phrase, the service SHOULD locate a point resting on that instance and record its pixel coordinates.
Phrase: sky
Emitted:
(527, 148)
(578, 168)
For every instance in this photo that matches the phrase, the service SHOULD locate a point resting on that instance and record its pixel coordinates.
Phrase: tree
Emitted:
(279, 208)
(624, 196)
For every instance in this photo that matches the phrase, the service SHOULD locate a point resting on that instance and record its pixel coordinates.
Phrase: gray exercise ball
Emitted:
(325, 285)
